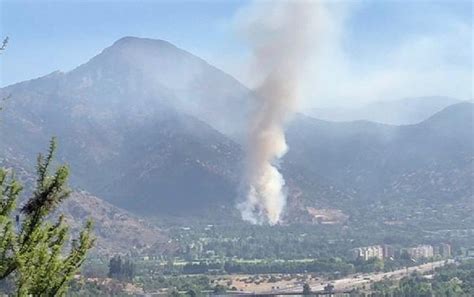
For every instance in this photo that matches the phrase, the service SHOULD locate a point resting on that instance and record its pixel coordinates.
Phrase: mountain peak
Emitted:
(137, 48)
(132, 41)
(461, 113)
(130, 55)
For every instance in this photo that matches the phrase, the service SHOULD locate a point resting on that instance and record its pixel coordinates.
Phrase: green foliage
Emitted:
(306, 289)
(454, 280)
(32, 249)
(371, 265)
(299, 241)
(415, 286)
(325, 266)
(2, 48)
(178, 283)
(219, 289)
(81, 287)
(121, 269)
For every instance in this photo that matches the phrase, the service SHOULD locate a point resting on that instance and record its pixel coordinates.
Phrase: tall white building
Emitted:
(367, 252)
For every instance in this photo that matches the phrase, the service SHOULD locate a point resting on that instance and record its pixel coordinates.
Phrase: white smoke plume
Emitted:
(280, 37)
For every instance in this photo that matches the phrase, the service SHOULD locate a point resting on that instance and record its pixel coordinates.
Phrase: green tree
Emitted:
(415, 286)
(174, 293)
(306, 289)
(219, 289)
(115, 267)
(120, 269)
(32, 249)
(450, 288)
(2, 48)
(192, 292)
(4, 44)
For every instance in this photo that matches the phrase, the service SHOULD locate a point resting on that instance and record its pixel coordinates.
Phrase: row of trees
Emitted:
(121, 269)
(330, 266)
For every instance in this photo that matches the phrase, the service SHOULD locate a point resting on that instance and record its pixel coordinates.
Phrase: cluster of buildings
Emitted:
(374, 251)
(420, 251)
(427, 251)
(388, 252)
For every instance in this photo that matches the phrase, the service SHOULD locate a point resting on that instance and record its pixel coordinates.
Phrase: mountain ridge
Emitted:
(404, 111)
(129, 142)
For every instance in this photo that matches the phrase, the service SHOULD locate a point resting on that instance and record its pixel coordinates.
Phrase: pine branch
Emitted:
(35, 253)
(4, 44)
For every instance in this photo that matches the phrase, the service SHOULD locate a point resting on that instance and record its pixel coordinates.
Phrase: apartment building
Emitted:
(365, 253)
(421, 251)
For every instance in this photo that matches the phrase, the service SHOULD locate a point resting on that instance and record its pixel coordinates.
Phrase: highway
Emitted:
(358, 280)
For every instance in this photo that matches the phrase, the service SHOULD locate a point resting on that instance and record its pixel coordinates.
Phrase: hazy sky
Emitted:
(370, 50)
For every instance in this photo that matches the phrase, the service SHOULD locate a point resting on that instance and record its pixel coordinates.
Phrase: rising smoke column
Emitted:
(279, 39)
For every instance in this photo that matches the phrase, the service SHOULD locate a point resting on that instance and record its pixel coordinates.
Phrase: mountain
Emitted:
(396, 112)
(134, 123)
(136, 76)
(115, 229)
(431, 160)
(174, 164)
(157, 131)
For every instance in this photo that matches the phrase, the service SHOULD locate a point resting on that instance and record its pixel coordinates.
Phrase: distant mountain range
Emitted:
(396, 112)
(157, 131)
(431, 160)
